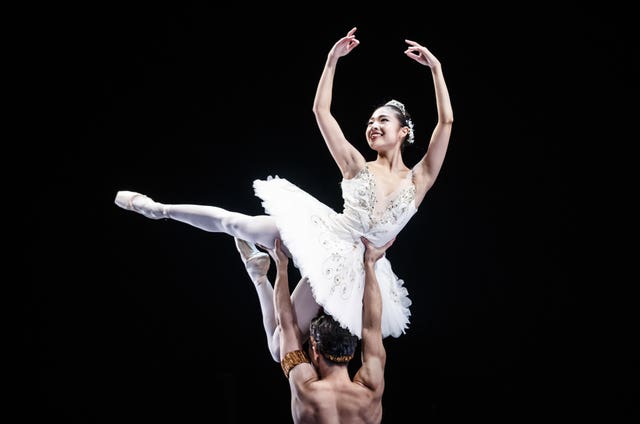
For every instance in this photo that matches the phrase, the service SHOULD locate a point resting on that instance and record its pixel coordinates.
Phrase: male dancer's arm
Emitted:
(291, 353)
(374, 356)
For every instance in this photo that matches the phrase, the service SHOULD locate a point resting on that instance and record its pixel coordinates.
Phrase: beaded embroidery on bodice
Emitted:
(365, 202)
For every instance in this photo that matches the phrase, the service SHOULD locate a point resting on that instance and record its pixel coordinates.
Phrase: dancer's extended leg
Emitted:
(259, 229)
(140, 203)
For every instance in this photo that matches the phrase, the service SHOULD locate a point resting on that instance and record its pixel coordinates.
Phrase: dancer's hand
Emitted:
(344, 45)
(372, 253)
(277, 253)
(421, 54)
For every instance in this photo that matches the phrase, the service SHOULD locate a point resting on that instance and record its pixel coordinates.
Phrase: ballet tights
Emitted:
(260, 229)
(305, 306)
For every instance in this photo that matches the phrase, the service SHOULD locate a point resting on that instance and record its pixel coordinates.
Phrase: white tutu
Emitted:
(325, 245)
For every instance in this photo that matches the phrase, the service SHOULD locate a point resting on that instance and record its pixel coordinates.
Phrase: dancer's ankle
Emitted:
(259, 280)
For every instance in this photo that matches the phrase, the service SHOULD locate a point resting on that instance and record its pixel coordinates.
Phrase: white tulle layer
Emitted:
(325, 246)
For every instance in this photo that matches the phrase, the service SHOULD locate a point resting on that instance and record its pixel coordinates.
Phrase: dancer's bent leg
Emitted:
(259, 229)
(305, 306)
(257, 264)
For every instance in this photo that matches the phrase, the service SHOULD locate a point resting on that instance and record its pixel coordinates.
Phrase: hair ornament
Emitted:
(400, 107)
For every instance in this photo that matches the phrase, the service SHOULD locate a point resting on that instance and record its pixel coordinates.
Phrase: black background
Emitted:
(128, 319)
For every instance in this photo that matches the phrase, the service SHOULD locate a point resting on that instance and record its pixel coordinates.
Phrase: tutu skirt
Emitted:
(325, 247)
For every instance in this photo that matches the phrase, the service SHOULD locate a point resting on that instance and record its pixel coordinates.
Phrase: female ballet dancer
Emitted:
(380, 197)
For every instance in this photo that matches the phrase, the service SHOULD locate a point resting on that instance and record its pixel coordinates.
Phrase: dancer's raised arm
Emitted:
(348, 158)
(427, 169)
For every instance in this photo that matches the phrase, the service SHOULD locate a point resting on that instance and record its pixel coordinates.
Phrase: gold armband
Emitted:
(292, 359)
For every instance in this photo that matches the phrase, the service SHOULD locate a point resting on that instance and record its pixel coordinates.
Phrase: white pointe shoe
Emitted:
(255, 261)
(132, 201)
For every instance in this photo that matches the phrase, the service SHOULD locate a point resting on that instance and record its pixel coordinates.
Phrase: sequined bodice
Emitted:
(379, 217)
